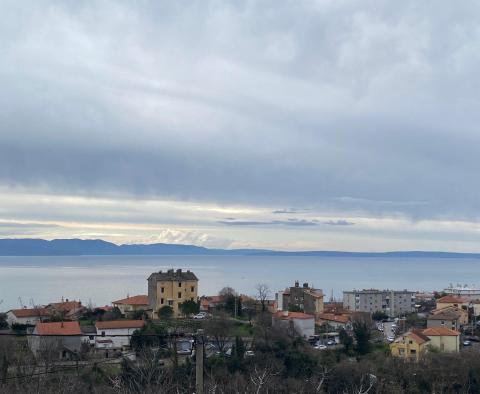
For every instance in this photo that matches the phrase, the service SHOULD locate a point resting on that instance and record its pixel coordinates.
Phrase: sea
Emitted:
(99, 280)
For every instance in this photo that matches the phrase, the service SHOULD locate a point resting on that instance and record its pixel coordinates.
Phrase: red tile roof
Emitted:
(58, 328)
(338, 318)
(119, 324)
(417, 336)
(292, 315)
(440, 331)
(34, 312)
(134, 300)
(451, 299)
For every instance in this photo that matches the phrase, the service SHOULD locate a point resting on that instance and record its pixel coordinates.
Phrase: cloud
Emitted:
(289, 222)
(339, 222)
(291, 210)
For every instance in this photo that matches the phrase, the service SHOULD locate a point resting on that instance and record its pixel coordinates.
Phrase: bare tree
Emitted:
(219, 330)
(263, 292)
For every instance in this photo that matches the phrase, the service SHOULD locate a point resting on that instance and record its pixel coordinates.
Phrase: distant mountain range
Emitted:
(79, 247)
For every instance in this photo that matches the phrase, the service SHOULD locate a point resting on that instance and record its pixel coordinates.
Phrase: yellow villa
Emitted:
(171, 288)
(411, 345)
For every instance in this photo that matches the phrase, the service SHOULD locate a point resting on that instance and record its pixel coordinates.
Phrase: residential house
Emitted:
(131, 304)
(452, 301)
(391, 302)
(26, 316)
(59, 340)
(171, 288)
(450, 317)
(443, 338)
(70, 310)
(335, 320)
(305, 298)
(209, 303)
(411, 345)
(466, 292)
(116, 334)
(295, 323)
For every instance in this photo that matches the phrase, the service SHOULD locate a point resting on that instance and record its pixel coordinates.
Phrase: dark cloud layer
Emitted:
(341, 106)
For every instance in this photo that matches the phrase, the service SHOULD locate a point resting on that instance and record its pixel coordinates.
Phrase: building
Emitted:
(116, 334)
(335, 320)
(443, 338)
(171, 288)
(411, 345)
(305, 298)
(88, 335)
(132, 304)
(209, 303)
(465, 291)
(71, 310)
(450, 317)
(294, 323)
(415, 343)
(28, 317)
(60, 340)
(391, 302)
(452, 301)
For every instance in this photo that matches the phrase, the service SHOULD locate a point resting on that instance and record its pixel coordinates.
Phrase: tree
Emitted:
(114, 314)
(189, 308)
(361, 331)
(346, 340)
(229, 300)
(294, 308)
(3, 321)
(165, 312)
(379, 315)
(139, 314)
(263, 292)
(219, 329)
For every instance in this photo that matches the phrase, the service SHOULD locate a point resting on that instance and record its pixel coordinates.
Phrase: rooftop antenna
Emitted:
(21, 302)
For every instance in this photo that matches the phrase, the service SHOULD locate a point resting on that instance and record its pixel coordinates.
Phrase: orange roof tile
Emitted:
(440, 331)
(58, 328)
(338, 318)
(417, 336)
(118, 324)
(33, 312)
(134, 300)
(451, 299)
(292, 315)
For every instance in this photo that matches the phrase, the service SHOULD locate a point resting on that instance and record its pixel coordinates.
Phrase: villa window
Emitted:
(162, 289)
(170, 302)
(179, 295)
(161, 301)
(179, 284)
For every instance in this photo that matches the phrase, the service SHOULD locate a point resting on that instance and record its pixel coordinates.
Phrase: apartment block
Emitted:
(391, 302)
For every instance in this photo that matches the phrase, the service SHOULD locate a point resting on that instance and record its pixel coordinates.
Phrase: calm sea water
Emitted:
(102, 279)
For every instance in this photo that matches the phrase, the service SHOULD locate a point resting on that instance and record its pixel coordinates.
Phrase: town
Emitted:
(175, 328)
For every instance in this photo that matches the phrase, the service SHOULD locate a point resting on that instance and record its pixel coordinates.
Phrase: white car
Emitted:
(390, 338)
(320, 347)
(200, 316)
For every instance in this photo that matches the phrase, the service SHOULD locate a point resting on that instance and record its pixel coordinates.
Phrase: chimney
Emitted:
(66, 300)
(61, 325)
(305, 285)
(179, 271)
(296, 283)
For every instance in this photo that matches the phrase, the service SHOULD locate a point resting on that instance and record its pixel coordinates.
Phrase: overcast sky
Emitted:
(347, 125)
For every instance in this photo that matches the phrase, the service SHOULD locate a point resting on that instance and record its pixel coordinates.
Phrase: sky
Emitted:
(290, 125)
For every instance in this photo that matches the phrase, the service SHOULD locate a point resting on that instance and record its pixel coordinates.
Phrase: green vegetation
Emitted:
(165, 312)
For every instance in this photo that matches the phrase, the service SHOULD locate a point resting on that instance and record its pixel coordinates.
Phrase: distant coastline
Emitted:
(79, 247)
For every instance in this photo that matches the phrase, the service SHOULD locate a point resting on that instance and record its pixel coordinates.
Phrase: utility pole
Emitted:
(199, 348)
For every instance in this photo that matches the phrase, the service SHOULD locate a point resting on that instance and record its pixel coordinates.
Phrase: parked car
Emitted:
(200, 316)
(390, 338)
(467, 343)
(320, 347)
(330, 342)
(249, 353)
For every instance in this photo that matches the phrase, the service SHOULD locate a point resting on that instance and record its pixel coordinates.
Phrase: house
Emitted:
(71, 310)
(171, 288)
(209, 303)
(450, 317)
(305, 298)
(26, 316)
(116, 334)
(443, 338)
(452, 301)
(334, 320)
(411, 345)
(59, 340)
(391, 302)
(294, 323)
(132, 304)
